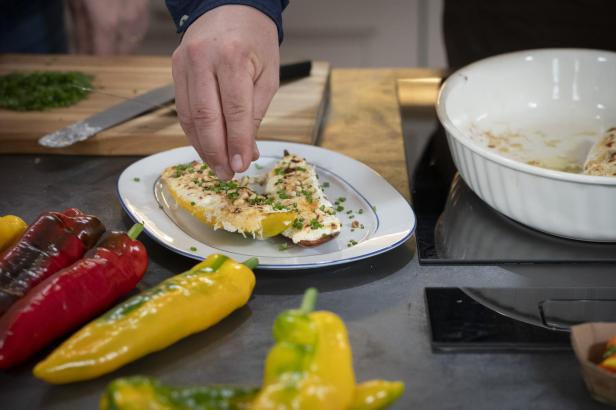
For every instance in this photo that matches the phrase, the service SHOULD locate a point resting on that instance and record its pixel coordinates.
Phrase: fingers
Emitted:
(206, 115)
(236, 93)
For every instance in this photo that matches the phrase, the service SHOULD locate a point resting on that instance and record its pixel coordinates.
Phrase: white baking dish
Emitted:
(546, 106)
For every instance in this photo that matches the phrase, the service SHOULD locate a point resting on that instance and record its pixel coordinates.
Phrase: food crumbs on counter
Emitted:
(136, 179)
(193, 249)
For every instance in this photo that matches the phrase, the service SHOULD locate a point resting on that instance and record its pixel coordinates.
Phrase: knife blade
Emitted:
(133, 107)
(114, 115)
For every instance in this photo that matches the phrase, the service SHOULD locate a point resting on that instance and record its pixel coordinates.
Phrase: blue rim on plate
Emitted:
(380, 245)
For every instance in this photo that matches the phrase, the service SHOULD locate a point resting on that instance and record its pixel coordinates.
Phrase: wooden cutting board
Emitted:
(295, 113)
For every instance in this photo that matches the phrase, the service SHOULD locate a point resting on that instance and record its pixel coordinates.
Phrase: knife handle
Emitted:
(295, 71)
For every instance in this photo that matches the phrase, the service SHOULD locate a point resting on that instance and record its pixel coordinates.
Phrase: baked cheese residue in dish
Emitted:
(601, 159)
(294, 184)
(229, 205)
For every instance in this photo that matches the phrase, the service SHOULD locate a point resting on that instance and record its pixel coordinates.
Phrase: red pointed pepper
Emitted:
(54, 241)
(72, 296)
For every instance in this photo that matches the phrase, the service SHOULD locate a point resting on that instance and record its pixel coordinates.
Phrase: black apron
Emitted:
(476, 29)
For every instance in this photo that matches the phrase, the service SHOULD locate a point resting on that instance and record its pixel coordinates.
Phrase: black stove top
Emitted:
(519, 319)
(454, 226)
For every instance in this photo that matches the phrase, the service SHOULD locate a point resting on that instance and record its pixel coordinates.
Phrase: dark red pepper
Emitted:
(54, 241)
(72, 296)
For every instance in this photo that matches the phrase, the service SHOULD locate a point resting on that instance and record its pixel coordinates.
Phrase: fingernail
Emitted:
(236, 163)
(221, 172)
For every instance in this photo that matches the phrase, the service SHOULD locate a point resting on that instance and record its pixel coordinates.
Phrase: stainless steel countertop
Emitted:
(380, 299)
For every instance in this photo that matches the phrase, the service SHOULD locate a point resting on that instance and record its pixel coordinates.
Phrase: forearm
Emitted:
(185, 12)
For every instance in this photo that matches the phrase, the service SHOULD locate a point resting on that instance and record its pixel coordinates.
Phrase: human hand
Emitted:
(110, 26)
(225, 72)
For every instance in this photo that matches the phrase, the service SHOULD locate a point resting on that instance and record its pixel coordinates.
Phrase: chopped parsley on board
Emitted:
(43, 90)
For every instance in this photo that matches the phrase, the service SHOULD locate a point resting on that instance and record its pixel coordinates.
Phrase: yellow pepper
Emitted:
(11, 229)
(144, 393)
(152, 320)
(376, 394)
(310, 366)
(260, 225)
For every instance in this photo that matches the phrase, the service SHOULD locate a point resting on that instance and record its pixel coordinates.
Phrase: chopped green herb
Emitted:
(361, 226)
(301, 169)
(282, 194)
(203, 167)
(298, 223)
(278, 206)
(278, 171)
(211, 173)
(193, 203)
(351, 216)
(374, 208)
(352, 242)
(233, 195)
(360, 211)
(339, 208)
(325, 185)
(349, 211)
(307, 195)
(136, 179)
(193, 249)
(257, 166)
(39, 91)
(283, 247)
(315, 224)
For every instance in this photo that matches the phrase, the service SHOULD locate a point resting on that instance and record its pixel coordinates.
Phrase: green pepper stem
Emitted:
(135, 230)
(251, 263)
(309, 301)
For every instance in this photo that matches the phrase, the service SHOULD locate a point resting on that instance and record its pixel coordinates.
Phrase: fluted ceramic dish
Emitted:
(506, 114)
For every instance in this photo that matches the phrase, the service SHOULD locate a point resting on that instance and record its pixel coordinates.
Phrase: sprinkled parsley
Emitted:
(325, 185)
(339, 208)
(298, 223)
(341, 199)
(307, 195)
(315, 224)
(283, 247)
(360, 211)
(193, 203)
(282, 194)
(278, 171)
(257, 166)
(136, 179)
(193, 249)
(352, 242)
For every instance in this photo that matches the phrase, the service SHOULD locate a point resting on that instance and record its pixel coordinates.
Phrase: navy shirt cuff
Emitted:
(185, 12)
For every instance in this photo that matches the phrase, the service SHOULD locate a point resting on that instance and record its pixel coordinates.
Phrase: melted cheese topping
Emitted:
(294, 184)
(230, 205)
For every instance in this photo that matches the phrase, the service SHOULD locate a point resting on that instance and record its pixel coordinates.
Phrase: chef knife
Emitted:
(136, 106)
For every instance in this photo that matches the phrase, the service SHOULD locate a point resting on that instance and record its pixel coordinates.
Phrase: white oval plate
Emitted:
(386, 216)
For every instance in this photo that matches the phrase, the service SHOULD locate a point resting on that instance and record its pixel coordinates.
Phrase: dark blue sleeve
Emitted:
(184, 12)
